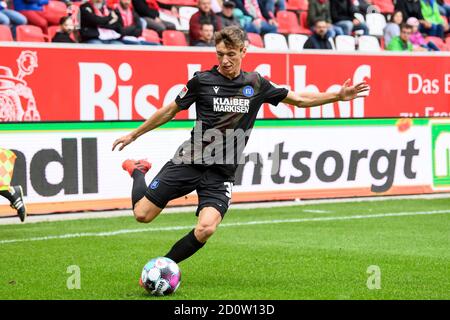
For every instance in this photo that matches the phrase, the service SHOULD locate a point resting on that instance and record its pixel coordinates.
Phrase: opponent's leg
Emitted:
(144, 210)
(208, 220)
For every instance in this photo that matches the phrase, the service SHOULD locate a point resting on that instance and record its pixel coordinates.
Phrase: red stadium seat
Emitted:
(52, 30)
(288, 22)
(297, 5)
(173, 38)
(304, 23)
(255, 39)
(151, 36)
(386, 6)
(5, 33)
(438, 42)
(55, 10)
(30, 34)
(192, 3)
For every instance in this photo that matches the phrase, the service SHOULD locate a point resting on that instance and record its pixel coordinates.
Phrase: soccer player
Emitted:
(13, 193)
(227, 101)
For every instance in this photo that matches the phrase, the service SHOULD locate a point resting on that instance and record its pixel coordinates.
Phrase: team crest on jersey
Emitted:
(183, 92)
(154, 184)
(248, 91)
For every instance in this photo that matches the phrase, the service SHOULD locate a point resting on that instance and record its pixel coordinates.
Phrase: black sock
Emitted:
(8, 195)
(184, 248)
(139, 186)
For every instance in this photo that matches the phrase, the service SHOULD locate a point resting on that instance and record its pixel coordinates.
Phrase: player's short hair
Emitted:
(232, 37)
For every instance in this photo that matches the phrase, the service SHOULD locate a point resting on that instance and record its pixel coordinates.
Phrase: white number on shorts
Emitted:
(229, 187)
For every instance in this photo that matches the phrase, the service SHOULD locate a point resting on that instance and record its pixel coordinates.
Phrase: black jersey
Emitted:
(226, 112)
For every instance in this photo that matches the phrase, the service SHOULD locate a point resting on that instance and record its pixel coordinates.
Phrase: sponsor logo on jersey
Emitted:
(248, 91)
(216, 89)
(183, 92)
(237, 105)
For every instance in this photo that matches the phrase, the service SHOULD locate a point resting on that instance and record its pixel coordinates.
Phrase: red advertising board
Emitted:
(61, 83)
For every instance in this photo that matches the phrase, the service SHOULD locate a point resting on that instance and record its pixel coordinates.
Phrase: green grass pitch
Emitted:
(320, 251)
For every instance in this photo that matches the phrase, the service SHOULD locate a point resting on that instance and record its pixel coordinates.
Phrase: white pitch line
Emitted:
(224, 225)
(316, 211)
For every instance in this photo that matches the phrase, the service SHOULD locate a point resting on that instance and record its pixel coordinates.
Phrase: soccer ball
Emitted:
(160, 276)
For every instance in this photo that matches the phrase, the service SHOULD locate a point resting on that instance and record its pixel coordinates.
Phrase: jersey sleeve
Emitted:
(272, 93)
(188, 94)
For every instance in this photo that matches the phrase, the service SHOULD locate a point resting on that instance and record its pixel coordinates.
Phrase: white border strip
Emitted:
(224, 225)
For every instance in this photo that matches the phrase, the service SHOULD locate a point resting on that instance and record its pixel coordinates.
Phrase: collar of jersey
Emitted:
(215, 70)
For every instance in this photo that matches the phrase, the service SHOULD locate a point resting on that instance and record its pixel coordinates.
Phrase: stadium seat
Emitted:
(52, 30)
(30, 34)
(369, 44)
(288, 22)
(167, 15)
(275, 41)
(151, 36)
(185, 15)
(192, 3)
(376, 23)
(55, 10)
(173, 38)
(385, 6)
(438, 42)
(304, 29)
(297, 41)
(5, 33)
(297, 5)
(255, 39)
(345, 43)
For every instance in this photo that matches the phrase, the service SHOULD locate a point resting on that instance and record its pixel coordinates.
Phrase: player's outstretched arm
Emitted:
(160, 117)
(312, 99)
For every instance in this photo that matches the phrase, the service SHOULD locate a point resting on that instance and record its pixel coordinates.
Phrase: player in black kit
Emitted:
(227, 101)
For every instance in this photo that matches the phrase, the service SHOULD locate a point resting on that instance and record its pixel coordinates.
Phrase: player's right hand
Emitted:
(125, 140)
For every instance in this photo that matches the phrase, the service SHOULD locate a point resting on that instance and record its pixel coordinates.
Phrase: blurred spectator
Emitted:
(320, 37)
(444, 9)
(10, 17)
(204, 14)
(392, 28)
(401, 42)
(66, 34)
(227, 16)
(276, 5)
(149, 11)
(320, 10)
(206, 35)
(416, 38)
(253, 18)
(363, 6)
(33, 11)
(130, 24)
(431, 14)
(343, 15)
(409, 8)
(99, 24)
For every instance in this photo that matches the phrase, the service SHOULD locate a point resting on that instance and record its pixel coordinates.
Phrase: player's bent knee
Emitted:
(204, 231)
(145, 211)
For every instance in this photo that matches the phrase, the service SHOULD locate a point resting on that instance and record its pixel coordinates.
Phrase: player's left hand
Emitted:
(125, 140)
(348, 92)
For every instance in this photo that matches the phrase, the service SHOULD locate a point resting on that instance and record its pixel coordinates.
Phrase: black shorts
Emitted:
(176, 180)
